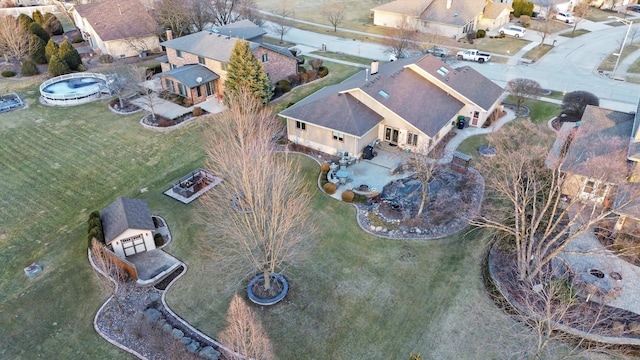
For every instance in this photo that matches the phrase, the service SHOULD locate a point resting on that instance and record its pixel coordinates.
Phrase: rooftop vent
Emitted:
(383, 94)
(443, 71)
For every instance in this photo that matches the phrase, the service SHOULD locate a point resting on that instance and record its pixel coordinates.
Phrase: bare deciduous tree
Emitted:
(200, 14)
(282, 24)
(424, 170)
(522, 89)
(335, 13)
(399, 41)
(140, 77)
(109, 275)
(544, 26)
(249, 10)
(580, 11)
(15, 41)
(535, 207)
(174, 15)
(259, 216)
(244, 334)
(225, 11)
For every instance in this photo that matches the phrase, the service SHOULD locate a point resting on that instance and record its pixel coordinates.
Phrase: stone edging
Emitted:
(95, 318)
(169, 128)
(569, 330)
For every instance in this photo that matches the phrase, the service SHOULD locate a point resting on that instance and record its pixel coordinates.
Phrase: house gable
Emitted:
(125, 214)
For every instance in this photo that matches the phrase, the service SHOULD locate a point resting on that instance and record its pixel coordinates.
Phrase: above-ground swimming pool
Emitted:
(74, 89)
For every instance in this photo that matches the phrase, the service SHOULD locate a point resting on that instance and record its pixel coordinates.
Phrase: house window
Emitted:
(179, 54)
(183, 89)
(172, 66)
(265, 58)
(171, 86)
(412, 139)
(594, 190)
(302, 126)
(201, 60)
(338, 136)
(199, 91)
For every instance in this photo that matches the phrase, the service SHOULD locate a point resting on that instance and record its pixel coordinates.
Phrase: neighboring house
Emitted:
(495, 15)
(127, 226)
(195, 66)
(119, 28)
(409, 103)
(600, 161)
(452, 18)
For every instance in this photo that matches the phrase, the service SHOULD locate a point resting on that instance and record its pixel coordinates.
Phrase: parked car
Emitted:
(635, 8)
(512, 30)
(565, 17)
(393, 57)
(473, 55)
(438, 51)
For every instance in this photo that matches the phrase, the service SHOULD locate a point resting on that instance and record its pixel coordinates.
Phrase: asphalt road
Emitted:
(570, 66)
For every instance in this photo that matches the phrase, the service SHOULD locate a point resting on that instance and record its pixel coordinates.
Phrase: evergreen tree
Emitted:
(70, 55)
(245, 71)
(51, 49)
(25, 20)
(38, 54)
(37, 17)
(57, 66)
(29, 68)
(36, 29)
(52, 25)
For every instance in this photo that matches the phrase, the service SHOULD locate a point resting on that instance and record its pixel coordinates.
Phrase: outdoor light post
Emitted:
(628, 23)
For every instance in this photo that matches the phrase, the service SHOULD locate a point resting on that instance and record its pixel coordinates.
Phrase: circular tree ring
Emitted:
(270, 301)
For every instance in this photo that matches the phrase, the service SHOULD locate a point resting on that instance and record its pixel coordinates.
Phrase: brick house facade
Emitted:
(195, 66)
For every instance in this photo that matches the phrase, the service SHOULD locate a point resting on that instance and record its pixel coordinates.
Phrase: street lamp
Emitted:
(626, 22)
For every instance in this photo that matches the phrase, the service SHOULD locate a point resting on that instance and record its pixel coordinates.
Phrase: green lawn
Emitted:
(573, 34)
(343, 57)
(470, 146)
(538, 52)
(609, 62)
(355, 297)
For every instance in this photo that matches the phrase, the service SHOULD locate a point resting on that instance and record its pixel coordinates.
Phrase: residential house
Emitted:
(408, 103)
(127, 226)
(195, 66)
(600, 156)
(451, 18)
(121, 29)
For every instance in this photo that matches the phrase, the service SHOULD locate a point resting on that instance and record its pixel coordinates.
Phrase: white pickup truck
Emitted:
(473, 55)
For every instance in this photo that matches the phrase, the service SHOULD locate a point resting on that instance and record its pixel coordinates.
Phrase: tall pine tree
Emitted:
(245, 71)
(36, 29)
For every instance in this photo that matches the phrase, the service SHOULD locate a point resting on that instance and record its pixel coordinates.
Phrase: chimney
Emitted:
(169, 34)
(374, 67)
(449, 4)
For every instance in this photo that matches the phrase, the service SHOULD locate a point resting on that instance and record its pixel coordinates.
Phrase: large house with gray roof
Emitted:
(451, 18)
(195, 66)
(127, 226)
(409, 103)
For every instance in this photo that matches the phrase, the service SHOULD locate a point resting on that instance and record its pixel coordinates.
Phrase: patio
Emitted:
(374, 173)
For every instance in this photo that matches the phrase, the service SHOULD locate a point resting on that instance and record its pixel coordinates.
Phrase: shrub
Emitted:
(348, 196)
(36, 29)
(325, 167)
(70, 55)
(197, 111)
(8, 73)
(158, 239)
(323, 71)
(77, 40)
(37, 17)
(471, 35)
(39, 55)
(304, 78)
(525, 20)
(284, 86)
(481, 33)
(301, 70)
(29, 68)
(294, 79)
(51, 49)
(152, 70)
(106, 59)
(312, 75)
(330, 188)
(57, 66)
(25, 20)
(52, 25)
(315, 63)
